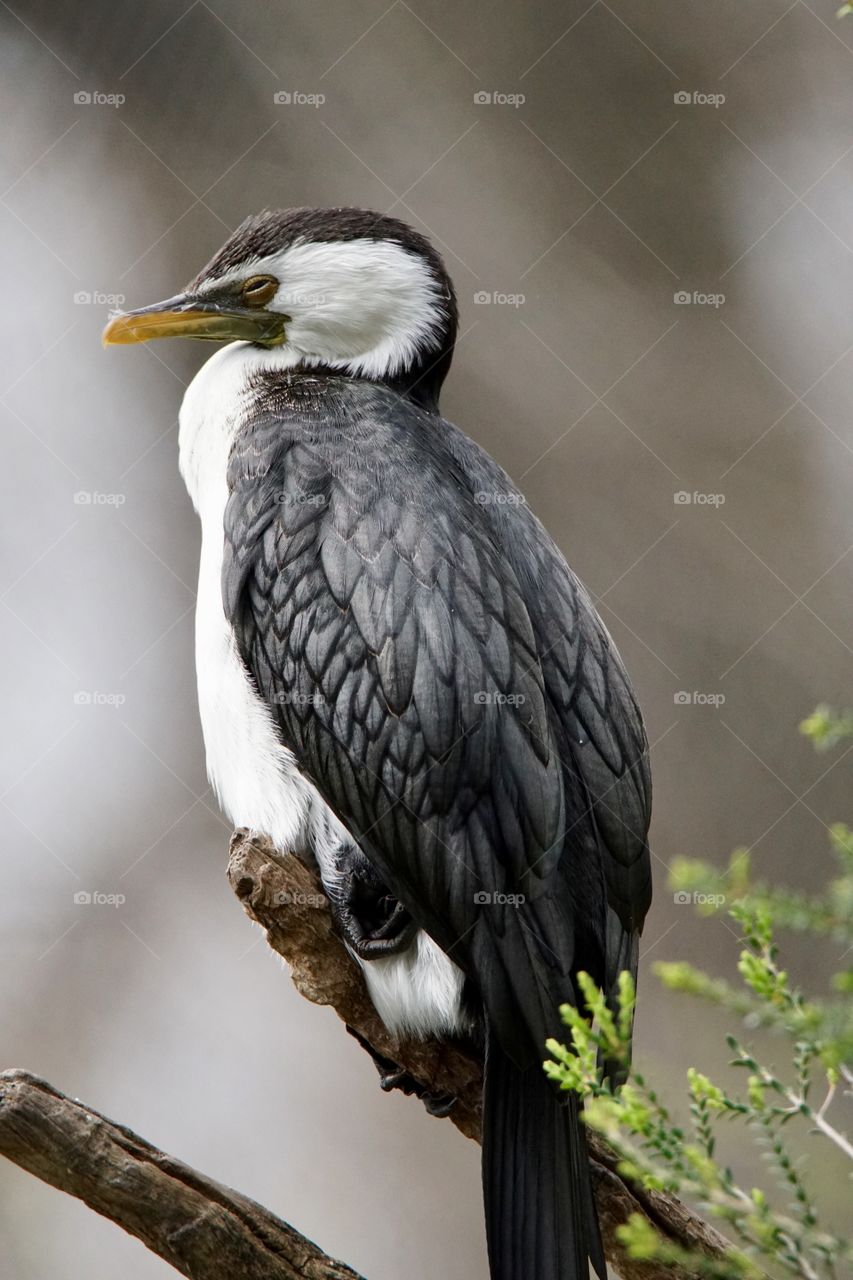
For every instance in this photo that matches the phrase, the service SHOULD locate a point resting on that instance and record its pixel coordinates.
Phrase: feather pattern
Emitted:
(454, 699)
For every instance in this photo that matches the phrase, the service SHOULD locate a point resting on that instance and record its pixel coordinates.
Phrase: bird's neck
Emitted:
(420, 383)
(216, 400)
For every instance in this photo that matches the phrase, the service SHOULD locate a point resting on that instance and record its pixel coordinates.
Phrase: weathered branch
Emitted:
(204, 1230)
(284, 897)
(208, 1232)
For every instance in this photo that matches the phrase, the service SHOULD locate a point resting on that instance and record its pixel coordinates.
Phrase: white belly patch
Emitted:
(418, 993)
(255, 777)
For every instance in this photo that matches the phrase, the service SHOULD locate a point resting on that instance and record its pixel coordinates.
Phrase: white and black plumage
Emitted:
(406, 683)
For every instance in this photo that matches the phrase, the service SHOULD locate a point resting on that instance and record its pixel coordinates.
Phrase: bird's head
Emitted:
(345, 289)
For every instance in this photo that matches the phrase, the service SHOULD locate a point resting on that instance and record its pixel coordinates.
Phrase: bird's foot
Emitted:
(437, 1104)
(373, 923)
(392, 1076)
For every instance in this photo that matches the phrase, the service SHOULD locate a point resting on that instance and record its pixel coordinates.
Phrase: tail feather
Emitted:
(541, 1222)
(623, 951)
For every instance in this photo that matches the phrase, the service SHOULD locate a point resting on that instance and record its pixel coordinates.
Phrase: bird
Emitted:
(401, 680)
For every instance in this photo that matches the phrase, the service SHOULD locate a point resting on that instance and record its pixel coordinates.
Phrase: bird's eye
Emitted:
(259, 290)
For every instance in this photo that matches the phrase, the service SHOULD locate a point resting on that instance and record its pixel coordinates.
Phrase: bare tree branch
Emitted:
(208, 1232)
(201, 1228)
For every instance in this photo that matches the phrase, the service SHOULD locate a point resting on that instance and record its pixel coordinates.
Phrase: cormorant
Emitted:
(401, 680)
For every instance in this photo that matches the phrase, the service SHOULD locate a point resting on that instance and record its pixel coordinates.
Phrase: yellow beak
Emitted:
(186, 317)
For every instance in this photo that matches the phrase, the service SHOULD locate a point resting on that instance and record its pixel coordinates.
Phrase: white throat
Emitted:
(213, 409)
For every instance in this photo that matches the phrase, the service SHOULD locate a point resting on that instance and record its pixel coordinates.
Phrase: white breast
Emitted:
(256, 778)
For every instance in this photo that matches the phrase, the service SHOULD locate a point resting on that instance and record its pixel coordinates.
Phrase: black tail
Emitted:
(623, 953)
(541, 1222)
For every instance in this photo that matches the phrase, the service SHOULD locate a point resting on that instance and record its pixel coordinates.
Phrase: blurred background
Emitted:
(647, 216)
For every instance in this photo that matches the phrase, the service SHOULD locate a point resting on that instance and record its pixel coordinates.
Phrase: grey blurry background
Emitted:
(596, 200)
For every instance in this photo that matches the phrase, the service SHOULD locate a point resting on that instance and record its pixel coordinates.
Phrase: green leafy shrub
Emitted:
(778, 1229)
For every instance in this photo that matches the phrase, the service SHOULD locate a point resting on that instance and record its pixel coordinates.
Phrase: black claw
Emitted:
(392, 1076)
(402, 1080)
(439, 1104)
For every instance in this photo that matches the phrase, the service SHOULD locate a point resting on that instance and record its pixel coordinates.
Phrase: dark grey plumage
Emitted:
(442, 677)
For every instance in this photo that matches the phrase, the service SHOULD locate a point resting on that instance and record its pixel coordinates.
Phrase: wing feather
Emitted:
(440, 675)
